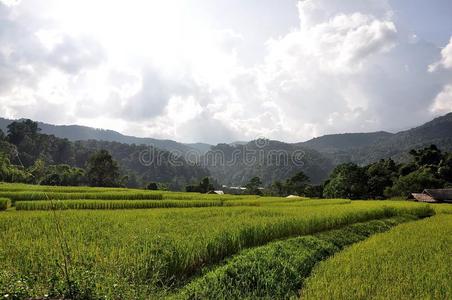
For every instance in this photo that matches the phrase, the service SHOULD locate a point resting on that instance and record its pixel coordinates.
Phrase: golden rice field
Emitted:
(96, 243)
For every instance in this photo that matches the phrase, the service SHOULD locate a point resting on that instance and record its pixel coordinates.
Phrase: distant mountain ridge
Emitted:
(361, 148)
(84, 133)
(344, 141)
(365, 148)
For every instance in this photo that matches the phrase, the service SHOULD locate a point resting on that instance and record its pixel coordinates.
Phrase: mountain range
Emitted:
(320, 154)
(365, 148)
(84, 133)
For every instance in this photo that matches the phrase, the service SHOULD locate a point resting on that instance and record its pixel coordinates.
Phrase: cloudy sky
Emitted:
(226, 70)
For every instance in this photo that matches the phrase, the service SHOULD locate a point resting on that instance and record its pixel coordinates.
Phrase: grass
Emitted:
(127, 254)
(442, 208)
(36, 196)
(196, 196)
(24, 192)
(307, 202)
(5, 203)
(146, 204)
(112, 204)
(21, 187)
(277, 270)
(412, 261)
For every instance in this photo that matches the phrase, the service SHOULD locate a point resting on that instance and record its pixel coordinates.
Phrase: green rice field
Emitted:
(104, 243)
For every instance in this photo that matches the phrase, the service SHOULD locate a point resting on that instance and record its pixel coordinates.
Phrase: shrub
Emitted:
(152, 186)
(5, 203)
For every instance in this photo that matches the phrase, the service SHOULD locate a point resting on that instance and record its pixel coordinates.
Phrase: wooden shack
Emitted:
(434, 196)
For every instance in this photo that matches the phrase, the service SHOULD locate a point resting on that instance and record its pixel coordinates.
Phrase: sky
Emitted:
(227, 70)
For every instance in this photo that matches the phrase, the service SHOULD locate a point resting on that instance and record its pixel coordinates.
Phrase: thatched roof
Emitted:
(423, 197)
(434, 195)
(439, 194)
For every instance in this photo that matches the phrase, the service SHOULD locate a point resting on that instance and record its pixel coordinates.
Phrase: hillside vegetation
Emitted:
(365, 148)
(269, 160)
(73, 145)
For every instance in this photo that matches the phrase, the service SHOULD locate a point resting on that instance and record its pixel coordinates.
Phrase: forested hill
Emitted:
(320, 154)
(84, 133)
(269, 160)
(365, 148)
(345, 141)
(26, 147)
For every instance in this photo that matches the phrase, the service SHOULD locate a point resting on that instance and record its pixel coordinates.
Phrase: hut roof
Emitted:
(439, 194)
(423, 197)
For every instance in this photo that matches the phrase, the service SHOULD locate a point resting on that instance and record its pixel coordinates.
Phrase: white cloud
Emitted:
(347, 66)
(443, 101)
(446, 58)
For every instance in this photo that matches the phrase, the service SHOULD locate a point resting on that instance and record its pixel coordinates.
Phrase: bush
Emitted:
(152, 186)
(414, 182)
(5, 203)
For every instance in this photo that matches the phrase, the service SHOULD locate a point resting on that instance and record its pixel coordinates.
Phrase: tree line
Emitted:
(28, 156)
(427, 168)
(101, 170)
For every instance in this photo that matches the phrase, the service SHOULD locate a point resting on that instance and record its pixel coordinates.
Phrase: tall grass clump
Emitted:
(35, 196)
(111, 204)
(277, 270)
(412, 261)
(198, 196)
(5, 203)
(18, 187)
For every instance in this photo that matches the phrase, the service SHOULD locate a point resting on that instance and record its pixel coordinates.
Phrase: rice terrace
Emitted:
(100, 245)
(226, 149)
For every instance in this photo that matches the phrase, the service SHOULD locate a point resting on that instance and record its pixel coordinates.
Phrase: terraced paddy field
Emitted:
(192, 246)
(412, 261)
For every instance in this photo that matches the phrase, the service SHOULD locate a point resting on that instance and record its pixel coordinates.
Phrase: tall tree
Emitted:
(297, 183)
(445, 168)
(253, 186)
(205, 185)
(415, 182)
(427, 156)
(17, 131)
(278, 189)
(102, 170)
(381, 175)
(347, 181)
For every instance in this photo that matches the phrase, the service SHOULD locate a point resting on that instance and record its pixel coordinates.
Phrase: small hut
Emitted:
(216, 192)
(434, 196)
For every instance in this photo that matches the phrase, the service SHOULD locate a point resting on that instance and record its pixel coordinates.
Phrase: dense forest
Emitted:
(428, 167)
(26, 155)
(267, 159)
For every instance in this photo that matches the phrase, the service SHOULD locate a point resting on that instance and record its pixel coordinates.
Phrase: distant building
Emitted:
(216, 192)
(241, 188)
(434, 196)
